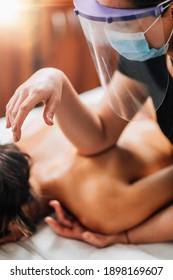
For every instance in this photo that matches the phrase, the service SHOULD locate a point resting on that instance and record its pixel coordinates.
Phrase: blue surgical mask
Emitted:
(134, 46)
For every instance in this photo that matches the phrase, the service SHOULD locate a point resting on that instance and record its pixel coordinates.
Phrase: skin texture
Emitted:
(69, 187)
(100, 195)
(93, 132)
(158, 228)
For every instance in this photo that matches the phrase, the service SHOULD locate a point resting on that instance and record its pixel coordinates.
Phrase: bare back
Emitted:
(59, 172)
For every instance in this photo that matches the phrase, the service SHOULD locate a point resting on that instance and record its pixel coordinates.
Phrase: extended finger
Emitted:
(8, 123)
(9, 107)
(60, 229)
(49, 111)
(62, 216)
(13, 115)
(25, 107)
(15, 107)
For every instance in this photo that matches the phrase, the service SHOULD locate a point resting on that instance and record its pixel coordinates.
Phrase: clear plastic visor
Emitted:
(129, 58)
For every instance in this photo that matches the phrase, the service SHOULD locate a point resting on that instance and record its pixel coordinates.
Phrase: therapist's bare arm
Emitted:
(90, 130)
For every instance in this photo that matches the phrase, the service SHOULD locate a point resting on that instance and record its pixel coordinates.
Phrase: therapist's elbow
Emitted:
(95, 152)
(96, 147)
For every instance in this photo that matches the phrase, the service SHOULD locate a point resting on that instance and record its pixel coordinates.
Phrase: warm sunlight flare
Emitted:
(9, 11)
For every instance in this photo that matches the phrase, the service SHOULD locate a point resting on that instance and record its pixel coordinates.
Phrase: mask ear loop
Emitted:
(164, 2)
(152, 24)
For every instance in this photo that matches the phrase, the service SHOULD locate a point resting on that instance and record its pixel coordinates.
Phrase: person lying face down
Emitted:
(98, 190)
(115, 188)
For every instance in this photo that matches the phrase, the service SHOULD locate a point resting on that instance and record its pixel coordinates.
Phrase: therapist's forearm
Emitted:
(82, 125)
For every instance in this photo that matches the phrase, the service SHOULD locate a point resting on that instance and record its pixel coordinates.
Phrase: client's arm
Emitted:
(158, 228)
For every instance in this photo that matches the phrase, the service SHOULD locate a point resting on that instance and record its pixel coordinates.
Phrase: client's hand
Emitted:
(70, 228)
(14, 234)
(43, 86)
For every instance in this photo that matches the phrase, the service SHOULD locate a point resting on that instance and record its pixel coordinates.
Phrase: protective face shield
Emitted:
(128, 47)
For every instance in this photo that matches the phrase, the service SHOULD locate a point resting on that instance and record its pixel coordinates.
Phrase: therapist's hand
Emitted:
(68, 227)
(43, 86)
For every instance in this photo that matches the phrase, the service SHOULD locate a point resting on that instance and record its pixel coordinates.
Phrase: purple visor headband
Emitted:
(92, 10)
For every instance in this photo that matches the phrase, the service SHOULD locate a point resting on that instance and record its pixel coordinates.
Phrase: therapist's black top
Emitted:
(154, 73)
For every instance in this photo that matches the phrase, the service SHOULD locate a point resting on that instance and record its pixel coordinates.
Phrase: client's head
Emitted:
(14, 187)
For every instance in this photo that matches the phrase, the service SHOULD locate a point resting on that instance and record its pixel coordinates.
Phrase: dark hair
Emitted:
(14, 188)
(147, 3)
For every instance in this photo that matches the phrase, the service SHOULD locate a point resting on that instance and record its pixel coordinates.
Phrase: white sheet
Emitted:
(45, 244)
